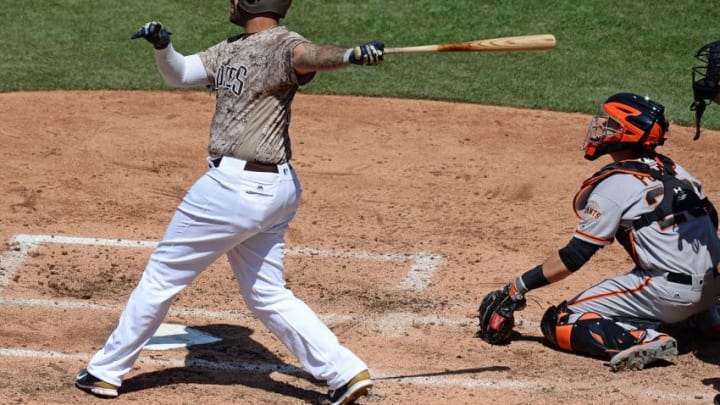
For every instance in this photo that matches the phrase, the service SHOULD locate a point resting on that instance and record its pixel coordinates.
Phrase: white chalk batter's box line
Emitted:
(429, 379)
(422, 265)
(422, 268)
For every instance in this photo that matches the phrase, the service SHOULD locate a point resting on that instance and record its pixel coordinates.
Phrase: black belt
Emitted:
(252, 166)
(679, 278)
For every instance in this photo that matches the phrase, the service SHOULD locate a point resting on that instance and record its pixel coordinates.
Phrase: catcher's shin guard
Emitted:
(587, 333)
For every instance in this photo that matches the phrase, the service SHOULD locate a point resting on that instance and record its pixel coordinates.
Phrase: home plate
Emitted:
(173, 336)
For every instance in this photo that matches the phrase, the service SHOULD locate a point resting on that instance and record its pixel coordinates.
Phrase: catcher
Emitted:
(657, 211)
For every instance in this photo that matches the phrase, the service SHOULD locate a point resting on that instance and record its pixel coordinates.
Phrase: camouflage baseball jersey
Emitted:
(254, 80)
(609, 209)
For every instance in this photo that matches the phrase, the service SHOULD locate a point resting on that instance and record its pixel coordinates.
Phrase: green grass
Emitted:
(603, 47)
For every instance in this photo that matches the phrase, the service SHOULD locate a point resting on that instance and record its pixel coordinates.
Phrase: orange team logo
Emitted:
(592, 211)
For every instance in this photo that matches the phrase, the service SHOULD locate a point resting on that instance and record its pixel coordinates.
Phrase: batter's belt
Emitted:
(250, 166)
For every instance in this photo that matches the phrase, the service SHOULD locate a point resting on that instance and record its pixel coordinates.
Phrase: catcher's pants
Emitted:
(643, 295)
(245, 215)
(637, 300)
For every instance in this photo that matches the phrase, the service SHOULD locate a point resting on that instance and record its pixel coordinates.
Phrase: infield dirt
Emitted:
(411, 212)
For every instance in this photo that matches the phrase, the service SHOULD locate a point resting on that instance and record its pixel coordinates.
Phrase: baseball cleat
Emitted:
(354, 389)
(640, 355)
(88, 382)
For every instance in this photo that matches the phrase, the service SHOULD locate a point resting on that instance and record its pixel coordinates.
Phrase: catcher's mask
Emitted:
(629, 122)
(278, 7)
(705, 81)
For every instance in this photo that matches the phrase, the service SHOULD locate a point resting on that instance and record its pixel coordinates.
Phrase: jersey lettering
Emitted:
(231, 78)
(592, 212)
(643, 179)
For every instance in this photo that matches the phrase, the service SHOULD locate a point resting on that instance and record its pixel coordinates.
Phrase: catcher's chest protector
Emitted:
(678, 197)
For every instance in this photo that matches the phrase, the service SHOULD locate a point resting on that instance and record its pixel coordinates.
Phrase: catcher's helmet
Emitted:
(629, 122)
(706, 80)
(279, 7)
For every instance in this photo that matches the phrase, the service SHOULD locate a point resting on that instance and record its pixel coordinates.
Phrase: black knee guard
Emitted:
(589, 334)
(550, 321)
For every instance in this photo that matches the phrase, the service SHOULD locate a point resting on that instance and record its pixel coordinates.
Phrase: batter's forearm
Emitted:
(309, 58)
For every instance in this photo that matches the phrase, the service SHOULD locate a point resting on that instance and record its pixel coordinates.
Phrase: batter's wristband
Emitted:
(348, 57)
(534, 278)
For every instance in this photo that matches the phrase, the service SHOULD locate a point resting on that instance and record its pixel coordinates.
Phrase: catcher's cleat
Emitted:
(354, 389)
(640, 355)
(88, 382)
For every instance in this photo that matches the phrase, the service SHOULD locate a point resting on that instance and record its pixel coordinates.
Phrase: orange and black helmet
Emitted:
(629, 121)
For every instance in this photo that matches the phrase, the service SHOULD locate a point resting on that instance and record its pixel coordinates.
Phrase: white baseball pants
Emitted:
(245, 215)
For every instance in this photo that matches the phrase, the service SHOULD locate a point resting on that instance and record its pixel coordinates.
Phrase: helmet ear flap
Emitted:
(664, 126)
(656, 134)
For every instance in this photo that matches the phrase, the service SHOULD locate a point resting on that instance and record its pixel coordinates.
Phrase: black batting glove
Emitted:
(155, 33)
(369, 53)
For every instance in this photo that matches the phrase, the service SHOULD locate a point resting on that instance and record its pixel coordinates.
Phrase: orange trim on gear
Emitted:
(638, 334)
(562, 335)
(589, 184)
(631, 241)
(595, 238)
(589, 315)
(611, 293)
(580, 194)
(598, 338)
(631, 132)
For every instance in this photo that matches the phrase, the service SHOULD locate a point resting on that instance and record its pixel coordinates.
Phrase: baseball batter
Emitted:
(242, 206)
(657, 211)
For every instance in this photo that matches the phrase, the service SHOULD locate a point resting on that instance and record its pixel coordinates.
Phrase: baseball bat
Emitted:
(505, 44)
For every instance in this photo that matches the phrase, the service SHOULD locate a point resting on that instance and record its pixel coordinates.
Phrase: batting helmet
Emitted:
(279, 7)
(706, 80)
(629, 122)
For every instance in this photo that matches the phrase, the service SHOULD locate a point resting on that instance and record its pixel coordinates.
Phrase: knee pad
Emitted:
(587, 333)
(549, 321)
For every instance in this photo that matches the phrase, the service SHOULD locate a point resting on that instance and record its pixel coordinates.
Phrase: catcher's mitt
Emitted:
(496, 316)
